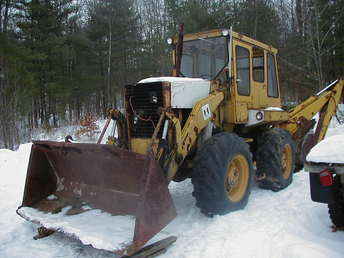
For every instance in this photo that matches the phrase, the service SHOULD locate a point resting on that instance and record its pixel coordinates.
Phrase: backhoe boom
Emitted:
(325, 102)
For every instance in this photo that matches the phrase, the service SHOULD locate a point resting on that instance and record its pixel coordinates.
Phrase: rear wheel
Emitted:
(222, 174)
(275, 159)
(336, 208)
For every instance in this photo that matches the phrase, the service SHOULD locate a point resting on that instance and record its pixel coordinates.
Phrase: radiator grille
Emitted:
(143, 102)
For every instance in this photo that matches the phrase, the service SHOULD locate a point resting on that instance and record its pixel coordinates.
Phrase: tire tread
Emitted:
(209, 172)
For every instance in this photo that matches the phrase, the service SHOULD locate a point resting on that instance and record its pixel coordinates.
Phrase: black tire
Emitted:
(303, 149)
(275, 159)
(336, 208)
(220, 157)
(182, 173)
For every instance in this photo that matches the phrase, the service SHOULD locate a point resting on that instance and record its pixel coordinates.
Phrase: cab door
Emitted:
(242, 95)
(259, 81)
(272, 93)
(264, 83)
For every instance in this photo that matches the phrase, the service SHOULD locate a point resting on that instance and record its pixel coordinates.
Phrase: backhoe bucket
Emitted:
(69, 183)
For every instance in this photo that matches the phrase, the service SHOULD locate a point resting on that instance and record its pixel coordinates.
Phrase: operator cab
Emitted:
(248, 68)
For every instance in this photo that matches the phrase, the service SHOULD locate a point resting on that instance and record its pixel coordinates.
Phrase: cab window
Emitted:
(272, 79)
(258, 64)
(243, 70)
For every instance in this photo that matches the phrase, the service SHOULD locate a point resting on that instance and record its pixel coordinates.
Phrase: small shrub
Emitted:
(88, 126)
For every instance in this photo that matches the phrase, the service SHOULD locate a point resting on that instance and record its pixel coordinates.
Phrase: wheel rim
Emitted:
(286, 161)
(237, 178)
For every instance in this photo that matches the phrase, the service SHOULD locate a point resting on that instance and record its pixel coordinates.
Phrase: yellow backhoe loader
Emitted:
(217, 114)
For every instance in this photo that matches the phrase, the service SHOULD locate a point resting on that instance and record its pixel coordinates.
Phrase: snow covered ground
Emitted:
(285, 224)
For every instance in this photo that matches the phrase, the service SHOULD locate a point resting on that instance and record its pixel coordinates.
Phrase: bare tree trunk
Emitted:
(5, 21)
(109, 97)
(1, 6)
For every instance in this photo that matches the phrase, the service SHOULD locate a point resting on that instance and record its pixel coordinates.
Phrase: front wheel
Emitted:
(222, 174)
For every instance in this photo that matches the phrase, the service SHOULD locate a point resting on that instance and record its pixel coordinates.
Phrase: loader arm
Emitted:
(186, 137)
(325, 102)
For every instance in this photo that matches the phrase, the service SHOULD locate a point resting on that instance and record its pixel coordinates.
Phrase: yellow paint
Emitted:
(140, 145)
(254, 42)
(237, 178)
(241, 112)
(274, 116)
(326, 102)
(187, 137)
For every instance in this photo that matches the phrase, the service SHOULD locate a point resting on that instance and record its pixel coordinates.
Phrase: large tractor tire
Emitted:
(275, 159)
(222, 174)
(336, 208)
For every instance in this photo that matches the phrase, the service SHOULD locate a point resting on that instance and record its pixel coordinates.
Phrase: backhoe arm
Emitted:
(325, 102)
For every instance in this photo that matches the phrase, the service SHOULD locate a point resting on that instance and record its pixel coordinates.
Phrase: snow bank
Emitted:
(329, 150)
(286, 224)
(93, 227)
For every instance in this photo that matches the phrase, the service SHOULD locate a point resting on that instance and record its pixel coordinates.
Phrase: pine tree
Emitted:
(113, 30)
(42, 27)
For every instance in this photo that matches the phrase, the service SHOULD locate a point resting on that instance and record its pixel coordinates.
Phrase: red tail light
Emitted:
(326, 178)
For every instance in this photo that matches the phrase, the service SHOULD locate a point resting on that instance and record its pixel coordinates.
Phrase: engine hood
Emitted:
(184, 92)
(172, 79)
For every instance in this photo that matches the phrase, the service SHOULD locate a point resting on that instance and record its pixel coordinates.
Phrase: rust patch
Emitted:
(304, 125)
(166, 94)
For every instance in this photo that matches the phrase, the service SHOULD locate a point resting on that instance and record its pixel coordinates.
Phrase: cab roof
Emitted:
(236, 35)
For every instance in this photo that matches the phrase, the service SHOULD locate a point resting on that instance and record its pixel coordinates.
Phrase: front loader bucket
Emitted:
(67, 180)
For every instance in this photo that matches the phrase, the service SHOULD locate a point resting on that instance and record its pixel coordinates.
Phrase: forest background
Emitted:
(62, 59)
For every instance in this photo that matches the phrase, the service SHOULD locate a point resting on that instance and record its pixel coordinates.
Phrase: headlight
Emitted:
(225, 33)
(259, 116)
(169, 41)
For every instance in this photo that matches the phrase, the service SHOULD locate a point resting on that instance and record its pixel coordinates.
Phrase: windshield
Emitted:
(204, 58)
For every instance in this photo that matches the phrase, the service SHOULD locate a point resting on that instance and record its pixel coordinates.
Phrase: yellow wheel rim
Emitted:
(237, 176)
(286, 161)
